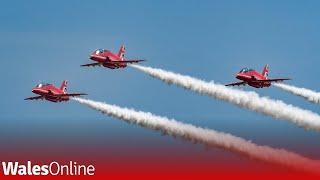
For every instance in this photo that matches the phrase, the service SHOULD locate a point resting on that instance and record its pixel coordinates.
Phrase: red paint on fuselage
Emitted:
(50, 93)
(255, 79)
(250, 78)
(107, 59)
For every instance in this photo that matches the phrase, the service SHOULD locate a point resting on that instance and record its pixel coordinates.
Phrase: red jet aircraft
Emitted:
(52, 93)
(255, 79)
(110, 60)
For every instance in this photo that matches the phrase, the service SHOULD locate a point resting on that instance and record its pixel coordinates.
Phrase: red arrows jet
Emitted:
(110, 60)
(52, 93)
(255, 79)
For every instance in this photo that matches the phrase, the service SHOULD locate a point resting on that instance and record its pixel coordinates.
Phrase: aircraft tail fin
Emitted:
(121, 52)
(265, 70)
(63, 86)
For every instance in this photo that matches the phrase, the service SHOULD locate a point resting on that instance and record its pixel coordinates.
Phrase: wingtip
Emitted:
(141, 60)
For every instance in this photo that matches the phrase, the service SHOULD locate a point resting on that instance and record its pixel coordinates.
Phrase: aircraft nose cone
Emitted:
(238, 75)
(37, 91)
(92, 57)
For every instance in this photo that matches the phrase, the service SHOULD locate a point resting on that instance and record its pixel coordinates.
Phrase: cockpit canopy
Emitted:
(99, 51)
(40, 85)
(245, 70)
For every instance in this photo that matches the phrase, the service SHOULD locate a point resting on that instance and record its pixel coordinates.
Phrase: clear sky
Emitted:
(211, 40)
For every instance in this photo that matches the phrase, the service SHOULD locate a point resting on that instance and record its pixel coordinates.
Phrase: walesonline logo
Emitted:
(54, 169)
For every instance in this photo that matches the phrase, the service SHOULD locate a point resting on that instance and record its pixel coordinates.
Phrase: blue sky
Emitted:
(211, 40)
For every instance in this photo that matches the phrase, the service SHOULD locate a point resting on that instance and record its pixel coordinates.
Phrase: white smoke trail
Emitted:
(308, 94)
(249, 100)
(207, 137)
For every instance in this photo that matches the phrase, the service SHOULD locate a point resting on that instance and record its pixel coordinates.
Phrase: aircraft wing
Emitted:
(73, 94)
(129, 61)
(34, 98)
(273, 80)
(237, 84)
(92, 64)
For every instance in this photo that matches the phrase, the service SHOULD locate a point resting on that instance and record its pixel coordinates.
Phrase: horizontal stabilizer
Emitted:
(273, 80)
(128, 61)
(72, 94)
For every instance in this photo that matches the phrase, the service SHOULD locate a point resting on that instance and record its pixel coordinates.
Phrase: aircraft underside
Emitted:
(259, 84)
(56, 99)
(114, 65)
